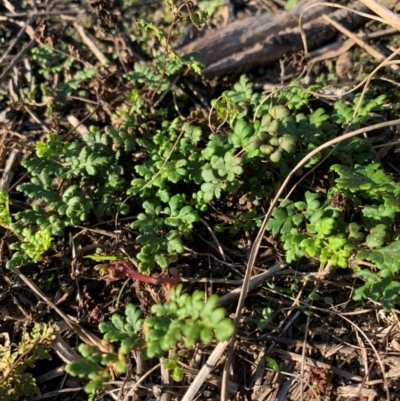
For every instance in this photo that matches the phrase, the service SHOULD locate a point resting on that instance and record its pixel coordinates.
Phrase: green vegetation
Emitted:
(69, 180)
(324, 231)
(167, 172)
(185, 319)
(15, 382)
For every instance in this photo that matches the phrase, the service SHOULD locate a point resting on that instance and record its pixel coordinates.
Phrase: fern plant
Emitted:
(321, 230)
(184, 321)
(69, 181)
(15, 381)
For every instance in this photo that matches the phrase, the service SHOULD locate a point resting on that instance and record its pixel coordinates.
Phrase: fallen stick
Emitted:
(216, 355)
(243, 34)
(230, 51)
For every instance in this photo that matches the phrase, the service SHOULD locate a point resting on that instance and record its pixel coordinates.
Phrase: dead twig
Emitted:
(88, 41)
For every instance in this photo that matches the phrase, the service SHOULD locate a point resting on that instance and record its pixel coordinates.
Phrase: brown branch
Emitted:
(258, 41)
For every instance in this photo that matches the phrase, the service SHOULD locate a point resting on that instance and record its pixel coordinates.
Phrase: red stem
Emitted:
(122, 269)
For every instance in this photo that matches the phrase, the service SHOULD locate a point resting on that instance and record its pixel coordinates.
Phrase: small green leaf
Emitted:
(376, 237)
(325, 226)
(224, 329)
(162, 260)
(335, 242)
(206, 335)
(271, 363)
(314, 296)
(217, 315)
(288, 143)
(175, 245)
(177, 374)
